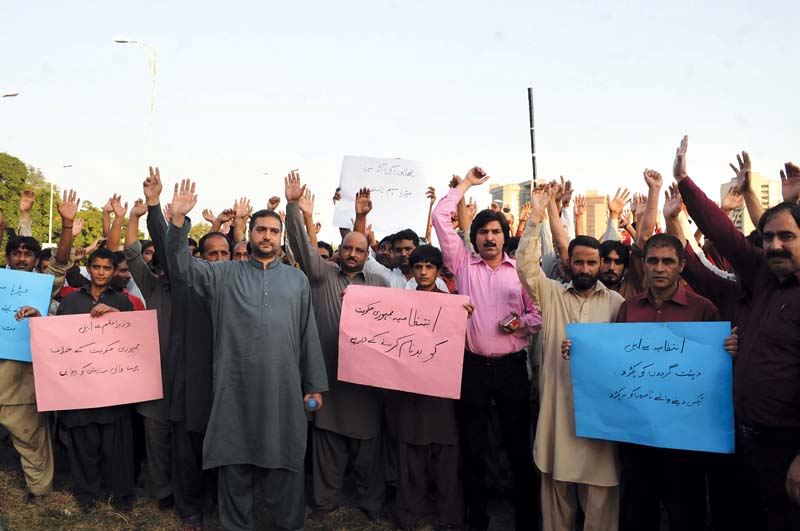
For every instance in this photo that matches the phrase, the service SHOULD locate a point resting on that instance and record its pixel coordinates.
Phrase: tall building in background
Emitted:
(596, 215)
(768, 192)
(511, 196)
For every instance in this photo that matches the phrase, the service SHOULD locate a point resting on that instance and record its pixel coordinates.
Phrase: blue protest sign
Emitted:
(17, 289)
(657, 384)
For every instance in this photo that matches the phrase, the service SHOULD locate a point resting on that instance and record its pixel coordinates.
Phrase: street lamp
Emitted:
(11, 94)
(152, 60)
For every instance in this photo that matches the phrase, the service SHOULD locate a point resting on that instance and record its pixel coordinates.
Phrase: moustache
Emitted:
(779, 254)
(490, 244)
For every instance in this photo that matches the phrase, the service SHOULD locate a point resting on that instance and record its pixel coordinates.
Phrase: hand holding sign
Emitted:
(401, 339)
(84, 362)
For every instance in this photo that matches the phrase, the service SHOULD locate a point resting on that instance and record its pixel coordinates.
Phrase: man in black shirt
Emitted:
(99, 440)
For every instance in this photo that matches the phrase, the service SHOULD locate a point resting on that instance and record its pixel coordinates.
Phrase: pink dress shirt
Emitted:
(496, 293)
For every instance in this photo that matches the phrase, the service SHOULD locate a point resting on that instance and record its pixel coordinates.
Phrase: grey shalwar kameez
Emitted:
(267, 354)
(350, 423)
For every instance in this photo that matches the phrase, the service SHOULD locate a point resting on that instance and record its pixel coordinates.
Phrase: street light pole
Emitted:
(152, 63)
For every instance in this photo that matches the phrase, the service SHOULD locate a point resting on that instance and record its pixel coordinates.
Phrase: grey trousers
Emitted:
(283, 491)
(331, 453)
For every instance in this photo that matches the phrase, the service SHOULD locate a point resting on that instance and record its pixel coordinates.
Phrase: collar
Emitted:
(342, 273)
(476, 259)
(87, 289)
(598, 286)
(254, 262)
(679, 297)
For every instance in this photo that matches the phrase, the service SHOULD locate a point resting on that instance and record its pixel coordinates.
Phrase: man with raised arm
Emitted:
(349, 427)
(766, 375)
(30, 431)
(573, 469)
(494, 359)
(267, 362)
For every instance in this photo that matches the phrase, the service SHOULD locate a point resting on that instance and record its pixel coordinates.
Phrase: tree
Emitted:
(199, 230)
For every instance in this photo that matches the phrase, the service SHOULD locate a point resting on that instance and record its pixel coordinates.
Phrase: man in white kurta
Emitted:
(572, 467)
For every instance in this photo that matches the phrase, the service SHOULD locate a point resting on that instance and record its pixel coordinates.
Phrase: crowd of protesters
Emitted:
(248, 324)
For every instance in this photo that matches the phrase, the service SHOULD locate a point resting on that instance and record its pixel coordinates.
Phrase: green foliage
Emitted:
(197, 231)
(15, 177)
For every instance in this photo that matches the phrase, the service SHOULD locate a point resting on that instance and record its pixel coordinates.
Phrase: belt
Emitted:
(494, 361)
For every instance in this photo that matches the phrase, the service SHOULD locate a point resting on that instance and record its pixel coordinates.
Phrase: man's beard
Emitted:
(610, 279)
(583, 281)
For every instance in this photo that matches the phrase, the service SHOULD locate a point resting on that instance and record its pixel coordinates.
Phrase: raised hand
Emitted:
(273, 202)
(431, 194)
(580, 205)
(168, 210)
(539, 199)
(494, 207)
(673, 202)
(77, 226)
(337, 195)
(26, 200)
(476, 176)
(242, 208)
(790, 183)
(567, 192)
(318, 227)
(208, 215)
(638, 205)
(363, 202)
(294, 190)
(183, 199)
(117, 206)
(653, 179)
(306, 203)
(617, 204)
(69, 207)
(472, 208)
(108, 208)
(557, 190)
(138, 209)
(732, 200)
(95, 245)
(679, 166)
(525, 212)
(742, 172)
(626, 218)
(225, 216)
(455, 181)
(152, 187)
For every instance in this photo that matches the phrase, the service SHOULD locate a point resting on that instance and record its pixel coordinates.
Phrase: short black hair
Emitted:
(387, 239)
(513, 244)
(192, 241)
(17, 242)
(406, 234)
(426, 253)
(583, 241)
(756, 239)
(793, 208)
(207, 236)
(120, 256)
(613, 245)
(103, 253)
(325, 245)
(664, 240)
(46, 254)
(483, 218)
(264, 213)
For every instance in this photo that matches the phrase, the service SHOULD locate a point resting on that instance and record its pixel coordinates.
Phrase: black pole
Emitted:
(533, 136)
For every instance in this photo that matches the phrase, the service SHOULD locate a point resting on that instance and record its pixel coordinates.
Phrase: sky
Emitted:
(248, 88)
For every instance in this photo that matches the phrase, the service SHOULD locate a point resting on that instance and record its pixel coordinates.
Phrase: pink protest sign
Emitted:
(81, 363)
(402, 339)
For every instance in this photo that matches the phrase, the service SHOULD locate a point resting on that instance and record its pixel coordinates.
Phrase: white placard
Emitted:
(398, 189)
